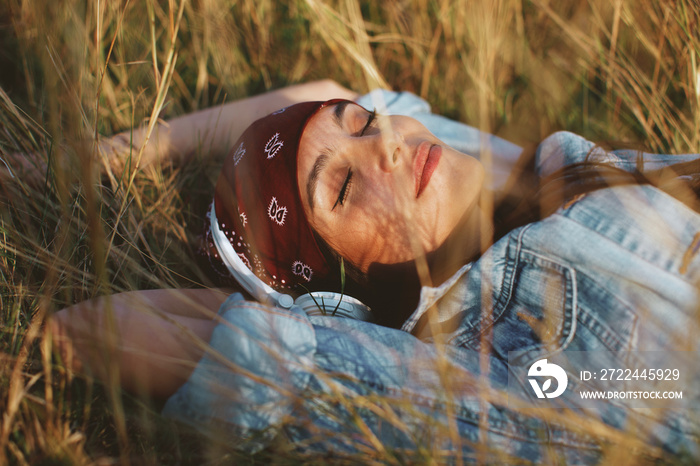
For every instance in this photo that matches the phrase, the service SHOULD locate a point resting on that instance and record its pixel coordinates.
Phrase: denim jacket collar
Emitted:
(429, 296)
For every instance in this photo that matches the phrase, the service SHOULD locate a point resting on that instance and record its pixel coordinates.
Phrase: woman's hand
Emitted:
(154, 337)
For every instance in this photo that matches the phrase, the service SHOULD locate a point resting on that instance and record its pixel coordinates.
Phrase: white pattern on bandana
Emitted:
(238, 155)
(273, 146)
(276, 212)
(259, 268)
(302, 270)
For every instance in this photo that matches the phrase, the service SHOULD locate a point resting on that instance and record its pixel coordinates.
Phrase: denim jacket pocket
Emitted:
(534, 308)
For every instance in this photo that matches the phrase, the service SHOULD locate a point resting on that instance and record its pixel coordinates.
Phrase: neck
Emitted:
(470, 238)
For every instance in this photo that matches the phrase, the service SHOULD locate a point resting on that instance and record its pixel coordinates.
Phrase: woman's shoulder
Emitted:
(565, 148)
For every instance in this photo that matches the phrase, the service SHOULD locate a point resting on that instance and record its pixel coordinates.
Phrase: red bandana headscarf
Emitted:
(258, 206)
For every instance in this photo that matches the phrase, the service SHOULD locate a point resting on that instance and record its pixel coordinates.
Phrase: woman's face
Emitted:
(382, 189)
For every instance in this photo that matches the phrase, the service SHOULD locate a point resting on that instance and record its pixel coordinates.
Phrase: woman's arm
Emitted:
(214, 130)
(210, 131)
(146, 341)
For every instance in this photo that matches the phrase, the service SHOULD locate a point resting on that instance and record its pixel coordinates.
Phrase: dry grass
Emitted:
(72, 71)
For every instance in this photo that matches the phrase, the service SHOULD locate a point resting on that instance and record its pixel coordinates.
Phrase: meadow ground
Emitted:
(72, 72)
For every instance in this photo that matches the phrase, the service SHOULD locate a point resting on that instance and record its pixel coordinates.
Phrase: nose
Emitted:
(391, 146)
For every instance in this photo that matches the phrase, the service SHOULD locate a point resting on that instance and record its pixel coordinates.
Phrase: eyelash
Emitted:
(345, 189)
(370, 120)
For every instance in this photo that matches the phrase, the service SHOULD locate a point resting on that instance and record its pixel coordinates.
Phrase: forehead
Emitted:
(318, 133)
(316, 130)
(328, 123)
(329, 119)
(323, 121)
(321, 130)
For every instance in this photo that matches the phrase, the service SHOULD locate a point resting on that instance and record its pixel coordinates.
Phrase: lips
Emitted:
(426, 161)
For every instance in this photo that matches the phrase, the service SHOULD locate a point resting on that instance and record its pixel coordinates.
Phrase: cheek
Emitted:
(377, 225)
(367, 237)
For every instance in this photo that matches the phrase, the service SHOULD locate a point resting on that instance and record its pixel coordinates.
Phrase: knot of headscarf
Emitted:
(258, 206)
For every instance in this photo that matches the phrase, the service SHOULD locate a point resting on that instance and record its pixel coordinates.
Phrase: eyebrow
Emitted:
(339, 111)
(319, 165)
(324, 156)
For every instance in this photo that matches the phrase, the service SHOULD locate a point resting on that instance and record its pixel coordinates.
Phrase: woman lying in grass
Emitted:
(583, 258)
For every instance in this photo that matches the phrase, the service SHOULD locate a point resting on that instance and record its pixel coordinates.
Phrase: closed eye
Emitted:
(344, 190)
(371, 118)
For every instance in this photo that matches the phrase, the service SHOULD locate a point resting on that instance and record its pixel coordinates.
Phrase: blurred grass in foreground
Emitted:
(72, 71)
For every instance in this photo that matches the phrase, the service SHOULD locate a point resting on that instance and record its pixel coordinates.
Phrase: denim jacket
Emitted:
(610, 274)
